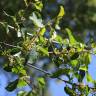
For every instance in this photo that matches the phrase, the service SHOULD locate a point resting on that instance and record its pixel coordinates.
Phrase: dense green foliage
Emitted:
(62, 31)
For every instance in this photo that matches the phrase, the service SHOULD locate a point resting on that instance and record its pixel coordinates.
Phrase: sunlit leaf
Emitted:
(23, 71)
(44, 50)
(42, 31)
(61, 12)
(89, 77)
(23, 93)
(74, 63)
(36, 21)
(39, 5)
(41, 81)
(21, 83)
(71, 37)
(14, 70)
(83, 68)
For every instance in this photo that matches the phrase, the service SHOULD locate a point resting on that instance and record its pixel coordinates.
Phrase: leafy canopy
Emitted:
(34, 31)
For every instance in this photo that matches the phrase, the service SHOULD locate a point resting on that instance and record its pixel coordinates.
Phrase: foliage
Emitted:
(35, 29)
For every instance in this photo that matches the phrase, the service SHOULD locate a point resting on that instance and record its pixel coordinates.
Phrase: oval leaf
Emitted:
(61, 12)
(60, 72)
(12, 85)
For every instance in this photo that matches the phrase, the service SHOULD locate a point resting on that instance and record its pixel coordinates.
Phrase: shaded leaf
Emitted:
(8, 68)
(82, 71)
(5, 25)
(75, 56)
(12, 85)
(81, 75)
(60, 72)
(69, 91)
(14, 51)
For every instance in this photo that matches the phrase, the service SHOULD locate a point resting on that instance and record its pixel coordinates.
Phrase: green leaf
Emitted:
(36, 21)
(41, 81)
(14, 51)
(44, 50)
(74, 63)
(15, 70)
(87, 89)
(23, 93)
(75, 56)
(83, 68)
(87, 58)
(60, 72)
(39, 5)
(23, 71)
(12, 85)
(69, 91)
(61, 12)
(71, 37)
(8, 68)
(5, 25)
(21, 83)
(59, 39)
(42, 31)
(88, 77)
(81, 75)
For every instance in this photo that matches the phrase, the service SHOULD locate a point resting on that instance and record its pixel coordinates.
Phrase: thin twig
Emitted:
(84, 51)
(47, 73)
(50, 74)
(30, 65)
(10, 45)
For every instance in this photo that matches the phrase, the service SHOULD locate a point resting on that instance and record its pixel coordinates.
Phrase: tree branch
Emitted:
(10, 45)
(50, 74)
